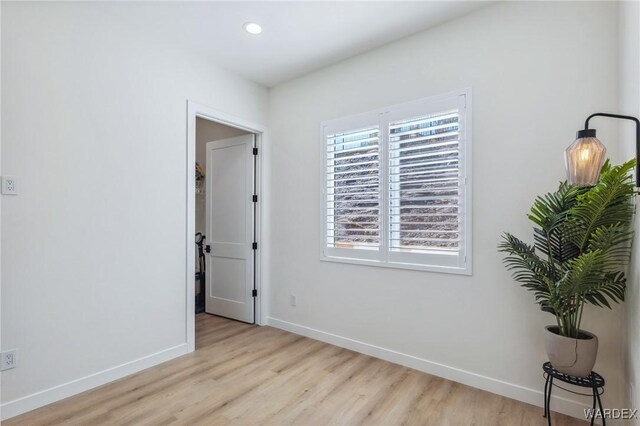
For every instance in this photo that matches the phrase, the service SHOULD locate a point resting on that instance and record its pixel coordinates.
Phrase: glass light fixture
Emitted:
(585, 156)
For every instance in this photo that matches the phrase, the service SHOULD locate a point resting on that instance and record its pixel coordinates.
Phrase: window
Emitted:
(396, 186)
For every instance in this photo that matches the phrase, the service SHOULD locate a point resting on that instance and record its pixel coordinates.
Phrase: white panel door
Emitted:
(229, 227)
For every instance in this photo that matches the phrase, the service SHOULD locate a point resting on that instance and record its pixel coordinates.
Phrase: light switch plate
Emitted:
(9, 185)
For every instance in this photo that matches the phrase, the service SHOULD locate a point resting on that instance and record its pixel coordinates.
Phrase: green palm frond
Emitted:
(549, 212)
(613, 286)
(585, 273)
(527, 268)
(614, 239)
(605, 204)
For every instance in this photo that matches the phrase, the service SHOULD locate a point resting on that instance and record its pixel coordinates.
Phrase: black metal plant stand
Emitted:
(593, 381)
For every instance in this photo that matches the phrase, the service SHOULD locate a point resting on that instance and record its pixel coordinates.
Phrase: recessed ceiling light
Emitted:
(252, 28)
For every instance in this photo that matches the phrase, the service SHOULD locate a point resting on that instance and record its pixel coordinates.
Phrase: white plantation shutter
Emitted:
(353, 184)
(396, 192)
(424, 185)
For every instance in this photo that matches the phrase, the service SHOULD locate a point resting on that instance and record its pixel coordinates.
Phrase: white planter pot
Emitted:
(575, 357)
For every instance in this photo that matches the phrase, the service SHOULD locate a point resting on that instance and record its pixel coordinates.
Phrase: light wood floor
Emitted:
(249, 375)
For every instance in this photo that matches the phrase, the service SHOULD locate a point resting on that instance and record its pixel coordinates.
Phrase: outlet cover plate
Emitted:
(8, 359)
(9, 185)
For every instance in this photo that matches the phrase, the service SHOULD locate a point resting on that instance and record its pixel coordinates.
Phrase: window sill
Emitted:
(398, 265)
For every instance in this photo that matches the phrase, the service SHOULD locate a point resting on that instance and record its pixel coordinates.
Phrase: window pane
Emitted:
(424, 178)
(353, 189)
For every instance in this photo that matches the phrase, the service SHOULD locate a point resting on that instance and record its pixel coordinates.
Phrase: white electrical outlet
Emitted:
(8, 360)
(292, 300)
(9, 185)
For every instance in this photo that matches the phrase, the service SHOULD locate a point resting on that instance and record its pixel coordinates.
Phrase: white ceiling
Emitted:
(298, 37)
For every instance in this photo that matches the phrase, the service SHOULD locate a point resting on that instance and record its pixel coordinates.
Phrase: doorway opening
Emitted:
(223, 220)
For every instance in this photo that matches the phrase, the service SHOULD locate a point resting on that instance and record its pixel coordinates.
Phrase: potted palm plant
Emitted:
(582, 238)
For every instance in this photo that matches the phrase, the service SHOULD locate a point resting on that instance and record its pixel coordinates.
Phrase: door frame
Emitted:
(194, 110)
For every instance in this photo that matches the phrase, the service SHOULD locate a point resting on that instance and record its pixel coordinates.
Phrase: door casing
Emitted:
(194, 110)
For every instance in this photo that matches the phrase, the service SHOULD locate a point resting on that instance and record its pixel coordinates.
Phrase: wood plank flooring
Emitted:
(249, 375)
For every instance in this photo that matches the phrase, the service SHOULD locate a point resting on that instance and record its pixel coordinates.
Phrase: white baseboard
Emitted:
(56, 393)
(510, 390)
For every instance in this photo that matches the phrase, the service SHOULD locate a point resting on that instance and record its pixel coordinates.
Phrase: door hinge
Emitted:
(255, 151)
(255, 246)
(255, 198)
(207, 248)
(254, 292)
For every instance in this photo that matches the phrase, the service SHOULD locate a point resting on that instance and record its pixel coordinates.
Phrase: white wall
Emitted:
(95, 129)
(537, 70)
(629, 90)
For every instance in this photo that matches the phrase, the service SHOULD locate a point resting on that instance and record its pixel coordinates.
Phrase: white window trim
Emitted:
(375, 258)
